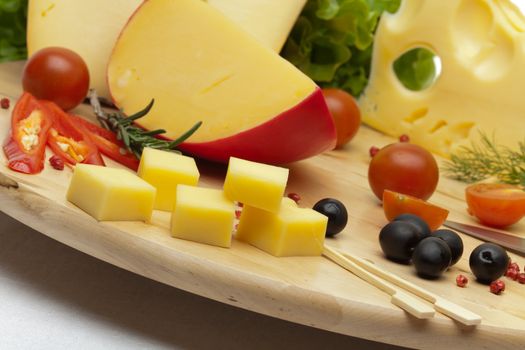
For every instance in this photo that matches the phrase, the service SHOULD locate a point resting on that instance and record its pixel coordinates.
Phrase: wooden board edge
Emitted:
(238, 288)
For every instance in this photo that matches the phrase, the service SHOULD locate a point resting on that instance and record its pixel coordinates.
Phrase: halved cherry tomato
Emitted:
(69, 141)
(345, 112)
(395, 204)
(496, 205)
(26, 145)
(107, 143)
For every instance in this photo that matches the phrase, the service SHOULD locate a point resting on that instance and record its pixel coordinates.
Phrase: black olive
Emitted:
(488, 262)
(336, 213)
(455, 243)
(421, 224)
(431, 257)
(398, 240)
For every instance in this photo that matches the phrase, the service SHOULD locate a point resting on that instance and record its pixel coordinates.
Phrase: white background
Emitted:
(53, 297)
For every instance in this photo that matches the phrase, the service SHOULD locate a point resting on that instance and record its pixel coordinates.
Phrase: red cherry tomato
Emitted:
(496, 205)
(405, 168)
(345, 112)
(395, 204)
(57, 74)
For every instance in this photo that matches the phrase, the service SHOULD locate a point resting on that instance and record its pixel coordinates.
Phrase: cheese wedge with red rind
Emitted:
(90, 27)
(200, 66)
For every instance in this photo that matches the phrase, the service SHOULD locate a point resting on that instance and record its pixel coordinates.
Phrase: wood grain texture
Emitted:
(308, 290)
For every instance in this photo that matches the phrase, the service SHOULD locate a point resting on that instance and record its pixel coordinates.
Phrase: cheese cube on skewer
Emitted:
(293, 231)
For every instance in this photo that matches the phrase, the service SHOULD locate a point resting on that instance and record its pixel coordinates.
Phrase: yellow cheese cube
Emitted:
(165, 170)
(111, 193)
(203, 215)
(292, 231)
(255, 184)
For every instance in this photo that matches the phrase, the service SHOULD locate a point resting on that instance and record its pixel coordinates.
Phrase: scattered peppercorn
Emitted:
(295, 197)
(373, 151)
(521, 278)
(512, 274)
(4, 103)
(56, 162)
(461, 281)
(404, 138)
(497, 287)
(514, 266)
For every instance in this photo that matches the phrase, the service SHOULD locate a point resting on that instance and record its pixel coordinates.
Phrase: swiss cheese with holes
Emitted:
(481, 45)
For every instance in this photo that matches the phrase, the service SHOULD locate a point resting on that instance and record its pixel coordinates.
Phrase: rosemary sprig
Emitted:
(487, 159)
(134, 137)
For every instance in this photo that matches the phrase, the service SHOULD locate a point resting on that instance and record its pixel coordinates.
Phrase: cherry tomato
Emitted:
(345, 112)
(57, 74)
(405, 168)
(395, 204)
(496, 205)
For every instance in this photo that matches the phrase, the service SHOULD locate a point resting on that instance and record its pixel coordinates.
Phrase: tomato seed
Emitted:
(4, 103)
(56, 162)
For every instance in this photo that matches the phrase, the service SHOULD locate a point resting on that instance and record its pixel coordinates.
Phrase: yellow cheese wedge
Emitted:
(269, 21)
(203, 215)
(199, 65)
(111, 193)
(480, 44)
(165, 170)
(89, 28)
(292, 231)
(255, 184)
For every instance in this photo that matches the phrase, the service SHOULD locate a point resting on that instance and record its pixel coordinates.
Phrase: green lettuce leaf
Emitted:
(13, 17)
(332, 41)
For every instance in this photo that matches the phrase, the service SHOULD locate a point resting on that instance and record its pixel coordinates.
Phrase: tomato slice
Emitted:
(496, 205)
(25, 146)
(108, 144)
(395, 204)
(69, 141)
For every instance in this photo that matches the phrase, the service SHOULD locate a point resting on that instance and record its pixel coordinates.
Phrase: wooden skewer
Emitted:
(400, 298)
(441, 305)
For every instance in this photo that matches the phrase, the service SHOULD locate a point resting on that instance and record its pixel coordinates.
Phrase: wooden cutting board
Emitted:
(307, 290)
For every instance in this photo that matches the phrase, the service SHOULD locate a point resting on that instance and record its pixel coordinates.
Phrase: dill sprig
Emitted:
(135, 138)
(487, 159)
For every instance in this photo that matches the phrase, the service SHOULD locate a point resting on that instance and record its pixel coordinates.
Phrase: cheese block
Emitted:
(480, 88)
(292, 231)
(269, 21)
(203, 215)
(255, 184)
(89, 28)
(199, 66)
(165, 170)
(111, 193)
